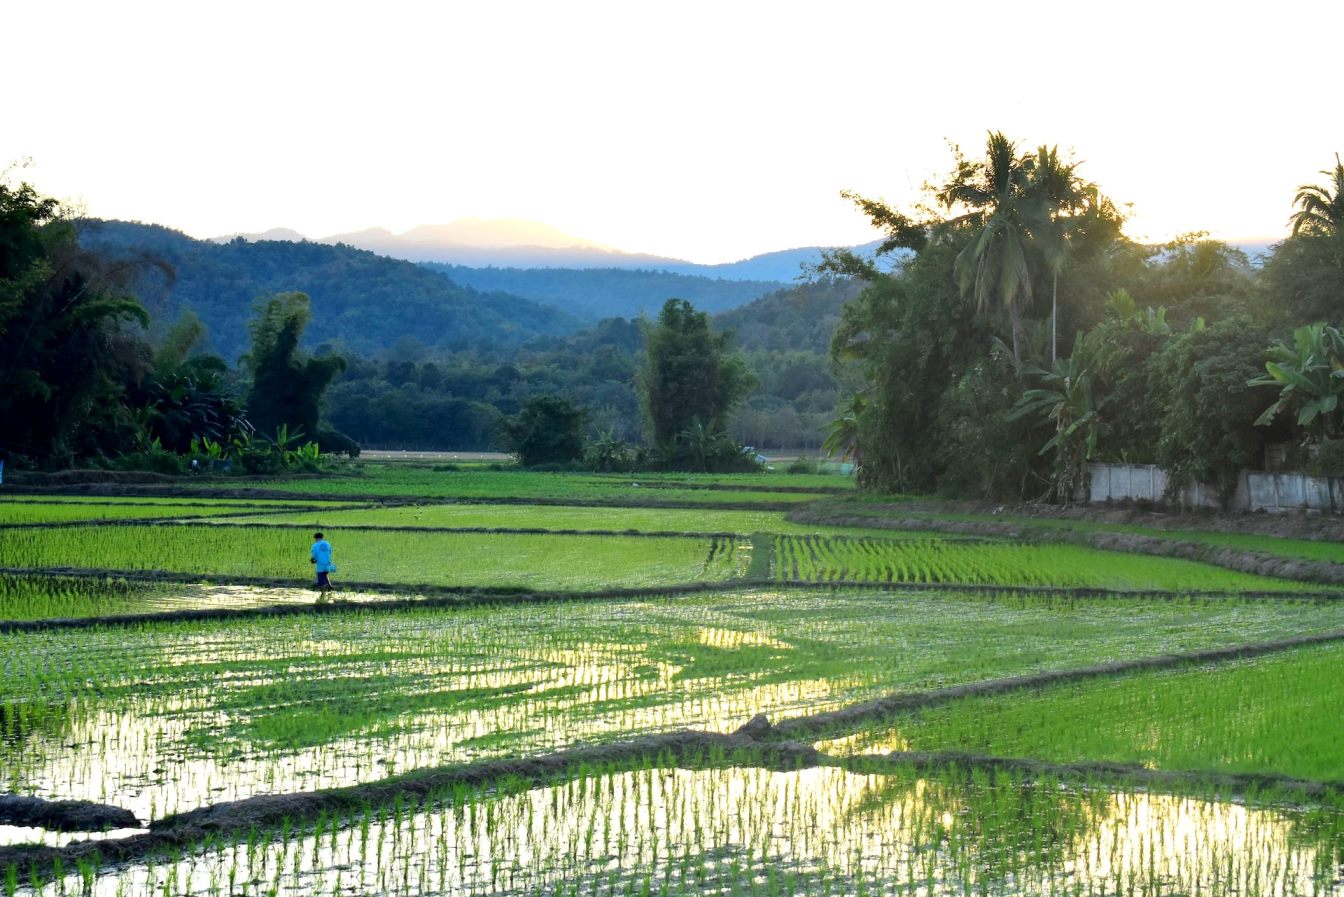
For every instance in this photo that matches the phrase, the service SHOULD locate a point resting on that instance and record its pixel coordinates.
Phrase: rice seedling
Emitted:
(746, 831)
(14, 512)
(1308, 549)
(936, 560)
(398, 480)
(553, 517)
(162, 717)
(370, 555)
(1276, 715)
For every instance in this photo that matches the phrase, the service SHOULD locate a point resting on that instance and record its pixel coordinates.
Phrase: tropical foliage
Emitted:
(958, 383)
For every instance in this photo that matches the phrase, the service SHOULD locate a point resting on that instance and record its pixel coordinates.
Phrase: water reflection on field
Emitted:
(751, 831)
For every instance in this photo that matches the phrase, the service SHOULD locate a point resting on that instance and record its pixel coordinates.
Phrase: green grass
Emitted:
(40, 598)
(15, 512)
(399, 480)
(1278, 714)
(703, 520)
(934, 560)
(374, 556)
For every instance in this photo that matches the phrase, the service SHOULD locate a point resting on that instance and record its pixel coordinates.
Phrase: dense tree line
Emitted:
(414, 397)
(362, 303)
(1024, 335)
(81, 382)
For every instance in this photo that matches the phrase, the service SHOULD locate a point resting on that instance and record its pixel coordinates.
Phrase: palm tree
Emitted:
(994, 264)
(1056, 192)
(843, 434)
(1320, 210)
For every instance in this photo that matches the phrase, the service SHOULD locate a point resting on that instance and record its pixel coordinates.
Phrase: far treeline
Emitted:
(1006, 333)
(1026, 335)
(82, 384)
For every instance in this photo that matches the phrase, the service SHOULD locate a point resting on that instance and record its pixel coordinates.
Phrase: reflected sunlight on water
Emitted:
(754, 831)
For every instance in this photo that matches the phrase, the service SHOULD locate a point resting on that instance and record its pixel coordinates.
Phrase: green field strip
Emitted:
(1277, 716)
(821, 559)
(19, 513)
(707, 489)
(536, 561)
(1009, 526)
(564, 517)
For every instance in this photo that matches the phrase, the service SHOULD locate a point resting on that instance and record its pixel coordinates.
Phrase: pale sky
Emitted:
(706, 131)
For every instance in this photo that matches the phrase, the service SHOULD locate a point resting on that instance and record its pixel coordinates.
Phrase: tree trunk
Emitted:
(1018, 331)
(1054, 318)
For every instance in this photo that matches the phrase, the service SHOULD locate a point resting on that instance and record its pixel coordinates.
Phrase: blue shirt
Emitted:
(322, 554)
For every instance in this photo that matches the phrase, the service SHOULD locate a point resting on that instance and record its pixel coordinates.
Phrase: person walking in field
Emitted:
(321, 557)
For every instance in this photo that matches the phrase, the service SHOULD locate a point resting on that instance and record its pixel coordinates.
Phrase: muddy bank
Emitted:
(63, 815)
(818, 725)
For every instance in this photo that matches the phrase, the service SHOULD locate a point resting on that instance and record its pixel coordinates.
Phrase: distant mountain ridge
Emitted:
(507, 243)
(596, 293)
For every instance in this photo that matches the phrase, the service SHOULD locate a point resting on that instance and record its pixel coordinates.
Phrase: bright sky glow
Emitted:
(703, 130)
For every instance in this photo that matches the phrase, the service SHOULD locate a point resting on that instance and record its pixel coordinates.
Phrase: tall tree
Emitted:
(547, 430)
(993, 266)
(1320, 210)
(1057, 194)
(689, 374)
(287, 385)
(66, 354)
(1305, 275)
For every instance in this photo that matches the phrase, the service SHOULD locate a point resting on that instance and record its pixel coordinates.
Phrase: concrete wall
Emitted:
(1256, 490)
(1145, 482)
(1277, 492)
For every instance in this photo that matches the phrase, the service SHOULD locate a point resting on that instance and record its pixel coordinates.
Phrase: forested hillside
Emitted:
(596, 293)
(362, 303)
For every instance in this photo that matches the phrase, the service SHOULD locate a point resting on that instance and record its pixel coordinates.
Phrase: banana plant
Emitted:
(1310, 378)
(1064, 398)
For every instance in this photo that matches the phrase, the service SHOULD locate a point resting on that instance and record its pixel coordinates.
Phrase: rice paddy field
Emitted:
(568, 684)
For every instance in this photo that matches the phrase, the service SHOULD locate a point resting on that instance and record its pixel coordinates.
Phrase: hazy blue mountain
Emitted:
(360, 300)
(786, 265)
(508, 243)
(595, 293)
